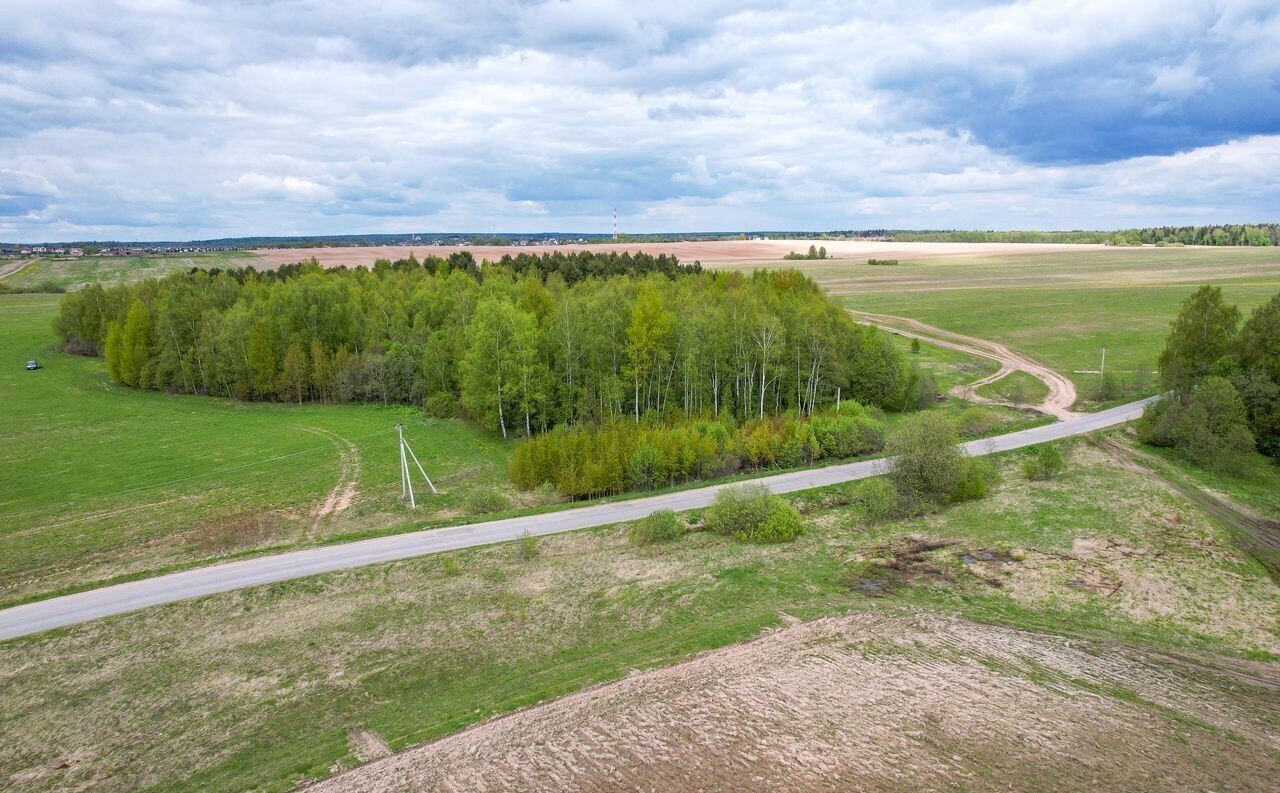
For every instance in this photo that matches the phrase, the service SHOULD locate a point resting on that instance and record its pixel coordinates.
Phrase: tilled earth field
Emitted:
(706, 252)
(877, 701)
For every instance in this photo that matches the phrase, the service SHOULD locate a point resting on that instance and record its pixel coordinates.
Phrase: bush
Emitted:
(620, 456)
(660, 526)
(1210, 427)
(930, 468)
(977, 421)
(976, 481)
(1046, 462)
(882, 261)
(441, 405)
(922, 389)
(878, 498)
(527, 547)
(486, 499)
(642, 469)
(750, 513)
(449, 566)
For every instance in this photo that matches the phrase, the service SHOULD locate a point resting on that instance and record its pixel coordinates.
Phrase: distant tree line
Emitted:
(1223, 380)
(1001, 236)
(520, 346)
(1260, 235)
(1254, 235)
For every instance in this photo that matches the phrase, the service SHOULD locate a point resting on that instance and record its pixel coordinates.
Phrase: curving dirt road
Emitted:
(1062, 392)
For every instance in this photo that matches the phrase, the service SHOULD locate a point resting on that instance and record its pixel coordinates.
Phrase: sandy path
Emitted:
(1062, 392)
(344, 492)
(11, 268)
(874, 702)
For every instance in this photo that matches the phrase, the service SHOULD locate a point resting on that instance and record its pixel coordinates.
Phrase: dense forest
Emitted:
(521, 346)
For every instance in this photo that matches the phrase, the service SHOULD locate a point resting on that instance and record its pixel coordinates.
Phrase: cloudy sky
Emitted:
(171, 119)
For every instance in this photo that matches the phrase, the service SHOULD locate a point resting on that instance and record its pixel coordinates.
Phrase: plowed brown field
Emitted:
(706, 252)
(877, 702)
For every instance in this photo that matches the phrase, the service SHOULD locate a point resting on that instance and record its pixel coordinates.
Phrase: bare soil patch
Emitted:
(343, 493)
(367, 745)
(876, 702)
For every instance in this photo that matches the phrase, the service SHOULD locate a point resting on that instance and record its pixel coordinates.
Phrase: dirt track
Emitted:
(1062, 392)
(344, 492)
(876, 702)
(11, 268)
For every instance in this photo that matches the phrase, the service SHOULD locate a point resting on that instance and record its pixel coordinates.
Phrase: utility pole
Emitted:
(406, 481)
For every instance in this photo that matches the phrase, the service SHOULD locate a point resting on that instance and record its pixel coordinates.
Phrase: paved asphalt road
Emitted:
(120, 598)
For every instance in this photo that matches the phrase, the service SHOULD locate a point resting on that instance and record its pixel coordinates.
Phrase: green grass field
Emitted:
(1061, 308)
(74, 273)
(1016, 387)
(99, 481)
(259, 689)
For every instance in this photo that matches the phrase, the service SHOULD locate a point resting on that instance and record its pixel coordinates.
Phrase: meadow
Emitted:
(99, 481)
(1061, 307)
(266, 688)
(69, 273)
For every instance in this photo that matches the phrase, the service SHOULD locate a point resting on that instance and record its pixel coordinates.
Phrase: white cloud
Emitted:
(1177, 82)
(183, 120)
(256, 185)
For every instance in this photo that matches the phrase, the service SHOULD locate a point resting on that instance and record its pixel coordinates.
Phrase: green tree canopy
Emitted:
(1200, 336)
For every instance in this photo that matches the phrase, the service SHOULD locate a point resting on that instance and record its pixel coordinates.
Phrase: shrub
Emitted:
(882, 261)
(1046, 462)
(591, 460)
(750, 513)
(878, 498)
(928, 465)
(1210, 427)
(915, 346)
(977, 479)
(441, 405)
(660, 526)
(642, 468)
(977, 421)
(527, 547)
(922, 388)
(449, 566)
(486, 499)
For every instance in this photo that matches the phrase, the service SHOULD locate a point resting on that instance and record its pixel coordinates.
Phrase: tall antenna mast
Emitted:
(615, 224)
(406, 481)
